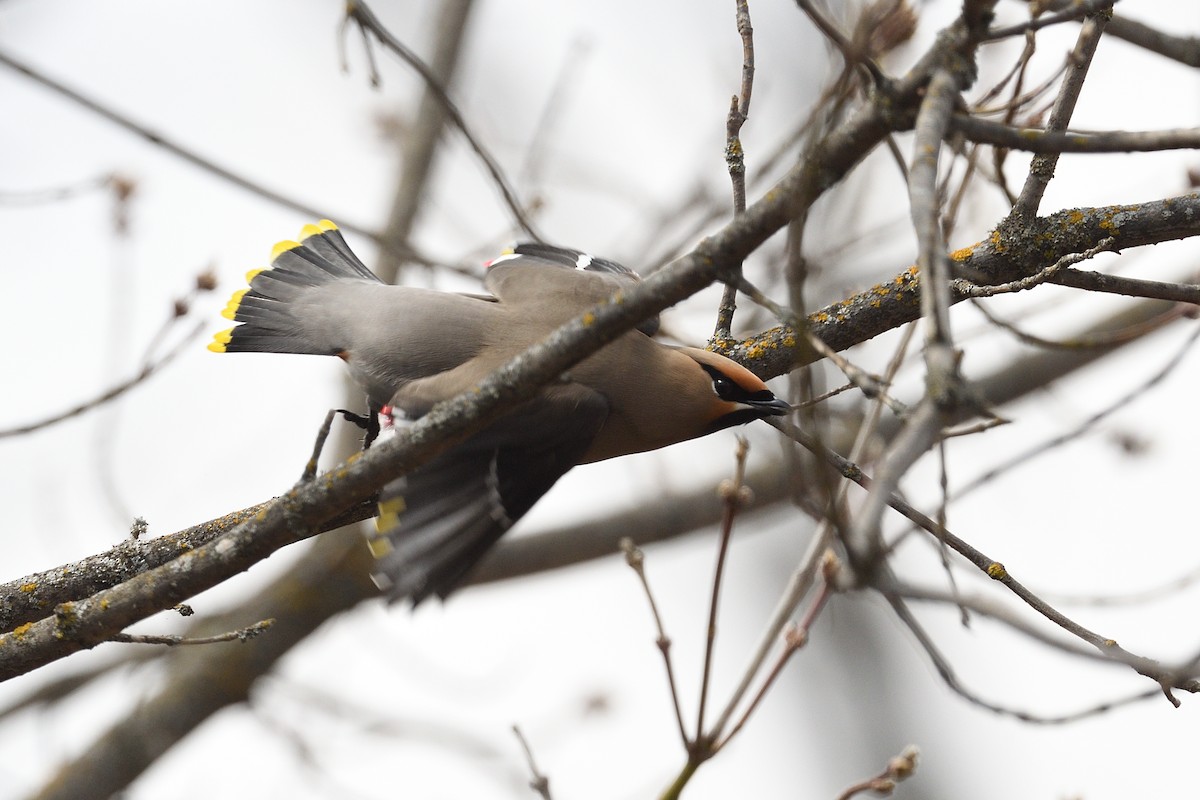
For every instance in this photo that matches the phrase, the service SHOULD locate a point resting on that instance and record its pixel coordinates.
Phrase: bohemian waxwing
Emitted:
(410, 348)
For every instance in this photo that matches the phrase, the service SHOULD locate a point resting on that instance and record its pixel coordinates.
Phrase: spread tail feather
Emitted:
(438, 521)
(266, 310)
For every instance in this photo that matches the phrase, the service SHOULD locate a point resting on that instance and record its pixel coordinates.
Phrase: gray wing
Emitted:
(541, 276)
(437, 522)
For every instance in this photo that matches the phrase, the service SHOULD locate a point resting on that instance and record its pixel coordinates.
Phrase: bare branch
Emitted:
(1007, 254)
(1035, 140)
(971, 290)
(899, 768)
(950, 678)
(171, 640)
(107, 396)
(735, 156)
(538, 782)
(1077, 10)
(1184, 49)
(1041, 170)
(735, 495)
(636, 560)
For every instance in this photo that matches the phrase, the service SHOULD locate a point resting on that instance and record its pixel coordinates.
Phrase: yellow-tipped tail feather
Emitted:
(264, 308)
(282, 247)
(389, 513)
(230, 311)
(310, 230)
(220, 339)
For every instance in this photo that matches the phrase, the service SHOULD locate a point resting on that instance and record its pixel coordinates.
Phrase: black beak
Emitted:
(773, 407)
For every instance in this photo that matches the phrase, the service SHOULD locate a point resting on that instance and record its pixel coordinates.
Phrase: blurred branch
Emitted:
(1035, 140)
(57, 193)
(1184, 49)
(1132, 287)
(899, 768)
(1077, 9)
(1105, 338)
(950, 678)
(419, 144)
(944, 386)
(1086, 425)
(854, 56)
(538, 782)
(195, 159)
(110, 394)
(361, 14)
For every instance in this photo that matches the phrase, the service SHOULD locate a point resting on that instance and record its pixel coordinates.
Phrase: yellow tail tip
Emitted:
(230, 310)
(380, 546)
(310, 230)
(388, 514)
(282, 247)
(252, 274)
(220, 339)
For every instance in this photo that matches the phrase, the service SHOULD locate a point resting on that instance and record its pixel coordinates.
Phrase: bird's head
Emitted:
(738, 395)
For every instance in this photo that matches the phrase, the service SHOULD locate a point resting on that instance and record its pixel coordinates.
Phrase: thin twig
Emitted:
(794, 638)
(310, 468)
(1041, 168)
(55, 194)
(852, 55)
(735, 495)
(968, 289)
(735, 157)
(1086, 425)
(1184, 49)
(366, 19)
(172, 640)
(898, 768)
(537, 781)
(110, 394)
(1104, 340)
(803, 576)
(995, 570)
(1130, 287)
(636, 560)
(948, 676)
(1078, 10)
(1051, 142)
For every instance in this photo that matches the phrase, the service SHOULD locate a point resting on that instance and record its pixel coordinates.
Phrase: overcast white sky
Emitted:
(258, 88)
